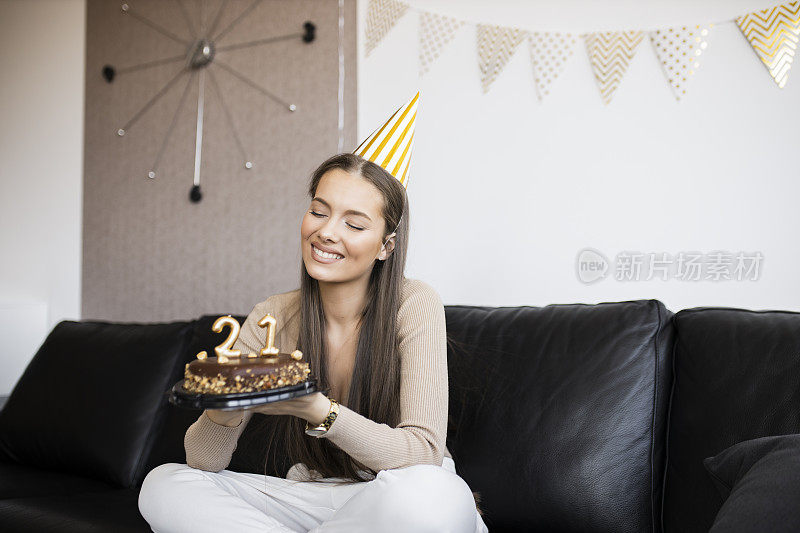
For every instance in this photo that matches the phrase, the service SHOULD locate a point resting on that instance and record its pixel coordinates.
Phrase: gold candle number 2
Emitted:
(225, 349)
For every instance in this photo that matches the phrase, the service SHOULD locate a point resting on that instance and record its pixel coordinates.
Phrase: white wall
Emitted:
(505, 191)
(41, 150)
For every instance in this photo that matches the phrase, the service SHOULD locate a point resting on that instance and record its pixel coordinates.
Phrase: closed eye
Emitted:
(318, 215)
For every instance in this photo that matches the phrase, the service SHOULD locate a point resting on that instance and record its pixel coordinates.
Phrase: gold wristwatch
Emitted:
(322, 429)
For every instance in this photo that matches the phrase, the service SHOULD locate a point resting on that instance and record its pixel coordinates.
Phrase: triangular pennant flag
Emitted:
(549, 53)
(496, 45)
(679, 51)
(773, 33)
(610, 53)
(382, 15)
(390, 145)
(435, 31)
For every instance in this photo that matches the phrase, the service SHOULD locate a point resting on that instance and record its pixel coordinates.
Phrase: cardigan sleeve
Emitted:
(209, 446)
(420, 436)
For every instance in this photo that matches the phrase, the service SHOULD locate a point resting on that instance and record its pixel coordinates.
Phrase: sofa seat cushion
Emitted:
(20, 481)
(100, 512)
(557, 413)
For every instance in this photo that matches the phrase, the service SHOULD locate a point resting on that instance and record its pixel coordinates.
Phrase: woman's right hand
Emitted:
(226, 418)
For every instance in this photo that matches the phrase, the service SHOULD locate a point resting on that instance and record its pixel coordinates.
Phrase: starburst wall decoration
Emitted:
(199, 60)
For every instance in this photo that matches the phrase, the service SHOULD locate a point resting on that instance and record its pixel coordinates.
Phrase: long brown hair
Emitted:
(375, 384)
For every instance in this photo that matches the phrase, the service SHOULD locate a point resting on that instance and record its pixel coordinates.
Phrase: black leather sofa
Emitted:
(568, 417)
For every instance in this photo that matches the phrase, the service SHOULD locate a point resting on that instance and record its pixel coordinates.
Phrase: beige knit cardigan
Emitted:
(419, 437)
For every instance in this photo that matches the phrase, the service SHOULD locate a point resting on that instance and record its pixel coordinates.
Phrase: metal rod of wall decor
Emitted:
(236, 21)
(152, 173)
(187, 18)
(229, 119)
(259, 42)
(217, 17)
(126, 9)
(198, 144)
(340, 95)
(150, 64)
(251, 83)
(121, 131)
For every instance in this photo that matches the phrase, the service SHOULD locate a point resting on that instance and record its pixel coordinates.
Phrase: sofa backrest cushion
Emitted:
(737, 378)
(558, 413)
(88, 400)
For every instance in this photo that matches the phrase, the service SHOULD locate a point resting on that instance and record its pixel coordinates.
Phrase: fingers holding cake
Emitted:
(311, 407)
(225, 418)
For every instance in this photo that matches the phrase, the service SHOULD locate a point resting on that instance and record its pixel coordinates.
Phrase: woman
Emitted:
(376, 340)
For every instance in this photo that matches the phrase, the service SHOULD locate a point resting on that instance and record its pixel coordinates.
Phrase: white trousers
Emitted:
(418, 498)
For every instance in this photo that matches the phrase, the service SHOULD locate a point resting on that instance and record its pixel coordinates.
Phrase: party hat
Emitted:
(390, 145)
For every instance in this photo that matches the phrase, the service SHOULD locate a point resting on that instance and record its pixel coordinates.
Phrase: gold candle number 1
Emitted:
(270, 323)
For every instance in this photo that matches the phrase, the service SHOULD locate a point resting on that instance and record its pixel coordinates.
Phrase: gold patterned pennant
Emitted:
(435, 31)
(382, 15)
(610, 54)
(549, 53)
(773, 33)
(496, 45)
(679, 51)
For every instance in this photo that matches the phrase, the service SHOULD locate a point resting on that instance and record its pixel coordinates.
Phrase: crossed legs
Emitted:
(176, 497)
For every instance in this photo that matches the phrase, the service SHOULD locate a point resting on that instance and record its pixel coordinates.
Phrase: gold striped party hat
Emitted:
(390, 145)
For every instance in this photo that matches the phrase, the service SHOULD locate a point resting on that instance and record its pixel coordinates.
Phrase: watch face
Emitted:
(315, 432)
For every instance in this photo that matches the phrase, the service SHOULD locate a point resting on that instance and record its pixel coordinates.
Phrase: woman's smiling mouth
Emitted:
(324, 257)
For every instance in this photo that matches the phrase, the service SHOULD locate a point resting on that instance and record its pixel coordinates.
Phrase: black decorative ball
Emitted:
(108, 73)
(310, 32)
(195, 195)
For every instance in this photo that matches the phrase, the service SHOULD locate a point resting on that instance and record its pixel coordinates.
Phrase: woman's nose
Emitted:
(327, 232)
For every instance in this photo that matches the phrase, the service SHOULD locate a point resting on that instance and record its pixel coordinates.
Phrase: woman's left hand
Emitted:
(312, 407)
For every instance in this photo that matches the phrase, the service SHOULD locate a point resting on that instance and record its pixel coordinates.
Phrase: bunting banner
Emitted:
(610, 53)
(435, 31)
(496, 45)
(549, 54)
(773, 34)
(382, 15)
(679, 51)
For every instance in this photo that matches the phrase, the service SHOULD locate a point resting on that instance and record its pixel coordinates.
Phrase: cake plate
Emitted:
(242, 400)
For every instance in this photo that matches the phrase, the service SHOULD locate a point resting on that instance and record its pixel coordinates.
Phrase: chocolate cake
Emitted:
(247, 373)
